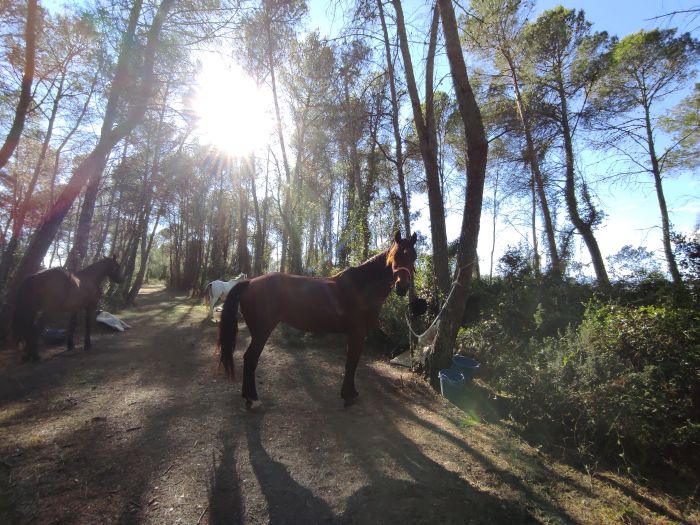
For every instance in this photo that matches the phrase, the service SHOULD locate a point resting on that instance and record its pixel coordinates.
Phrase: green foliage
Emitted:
(683, 124)
(391, 333)
(633, 264)
(625, 381)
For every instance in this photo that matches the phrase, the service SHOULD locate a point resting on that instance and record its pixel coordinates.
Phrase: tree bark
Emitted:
(18, 222)
(523, 116)
(427, 137)
(583, 227)
(398, 143)
(477, 150)
(658, 185)
(25, 96)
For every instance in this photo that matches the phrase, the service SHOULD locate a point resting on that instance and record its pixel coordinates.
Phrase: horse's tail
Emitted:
(207, 294)
(24, 311)
(228, 327)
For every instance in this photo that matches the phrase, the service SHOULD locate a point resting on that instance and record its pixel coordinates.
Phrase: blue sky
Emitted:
(632, 207)
(633, 216)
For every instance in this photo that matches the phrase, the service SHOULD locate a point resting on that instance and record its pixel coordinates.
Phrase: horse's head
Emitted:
(113, 269)
(402, 258)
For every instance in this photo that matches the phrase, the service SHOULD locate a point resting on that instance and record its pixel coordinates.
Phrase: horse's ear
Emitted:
(414, 238)
(397, 236)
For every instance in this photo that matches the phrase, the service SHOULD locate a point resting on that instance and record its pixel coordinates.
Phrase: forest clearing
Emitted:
(509, 183)
(145, 429)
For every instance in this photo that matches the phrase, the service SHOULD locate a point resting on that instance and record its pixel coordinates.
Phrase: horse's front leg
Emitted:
(70, 340)
(348, 391)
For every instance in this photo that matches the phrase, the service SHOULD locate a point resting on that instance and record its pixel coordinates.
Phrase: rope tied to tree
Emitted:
(433, 326)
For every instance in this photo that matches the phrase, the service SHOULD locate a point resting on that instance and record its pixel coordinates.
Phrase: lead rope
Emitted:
(452, 288)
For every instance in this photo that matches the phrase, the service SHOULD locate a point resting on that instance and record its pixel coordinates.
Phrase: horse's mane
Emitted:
(372, 269)
(95, 268)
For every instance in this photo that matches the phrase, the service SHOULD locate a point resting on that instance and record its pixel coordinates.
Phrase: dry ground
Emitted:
(144, 429)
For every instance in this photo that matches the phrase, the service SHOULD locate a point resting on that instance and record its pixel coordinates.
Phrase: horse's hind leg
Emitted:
(348, 391)
(89, 316)
(31, 349)
(250, 363)
(70, 341)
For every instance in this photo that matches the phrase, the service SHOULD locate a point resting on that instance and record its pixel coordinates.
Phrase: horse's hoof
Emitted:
(350, 401)
(248, 404)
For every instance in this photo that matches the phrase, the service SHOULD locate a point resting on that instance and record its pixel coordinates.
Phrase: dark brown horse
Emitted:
(348, 302)
(56, 291)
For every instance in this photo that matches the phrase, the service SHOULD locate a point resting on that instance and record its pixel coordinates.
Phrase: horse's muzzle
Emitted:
(402, 284)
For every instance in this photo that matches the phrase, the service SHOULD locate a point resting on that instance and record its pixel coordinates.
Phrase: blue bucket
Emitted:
(466, 365)
(54, 336)
(451, 383)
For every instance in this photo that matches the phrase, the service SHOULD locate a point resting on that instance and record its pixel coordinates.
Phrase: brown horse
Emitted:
(348, 302)
(56, 291)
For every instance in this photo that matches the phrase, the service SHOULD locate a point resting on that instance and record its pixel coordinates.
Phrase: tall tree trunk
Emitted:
(145, 253)
(398, 144)
(427, 137)
(244, 174)
(82, 235)
(18, 223)
(477, 150)
(25, 95)
(533, 161)
(260, 235)
(583, 227)
(658, 185)
(533, 224)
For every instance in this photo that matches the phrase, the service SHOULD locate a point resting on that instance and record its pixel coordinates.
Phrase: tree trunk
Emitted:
(25, 95)
(427, 136)
(145, 253)
(581, 225)
(477, 150)
(533, 160)
(658, 185)
(18, 223)
(243, 253)
(398, 143)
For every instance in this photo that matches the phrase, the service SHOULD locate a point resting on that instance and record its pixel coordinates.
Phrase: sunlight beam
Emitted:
(233, 113)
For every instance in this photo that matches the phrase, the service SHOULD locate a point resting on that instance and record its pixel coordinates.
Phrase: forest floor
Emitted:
(144, 429)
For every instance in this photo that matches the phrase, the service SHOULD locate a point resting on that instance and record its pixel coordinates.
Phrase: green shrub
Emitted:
(627, 380)
(638, 376)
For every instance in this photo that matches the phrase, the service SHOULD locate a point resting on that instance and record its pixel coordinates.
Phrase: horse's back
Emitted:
(52, 288)
(306, 303)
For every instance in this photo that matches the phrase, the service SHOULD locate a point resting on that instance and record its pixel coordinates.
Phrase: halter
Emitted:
(408, 270)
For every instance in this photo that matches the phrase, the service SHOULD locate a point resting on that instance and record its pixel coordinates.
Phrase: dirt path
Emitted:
(144, 430)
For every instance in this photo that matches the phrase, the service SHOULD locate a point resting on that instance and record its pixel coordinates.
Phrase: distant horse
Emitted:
(47, 294)
(216, 290)
(348, 302)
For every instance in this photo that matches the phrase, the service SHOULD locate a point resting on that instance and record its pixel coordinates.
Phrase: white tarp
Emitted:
(112, 321)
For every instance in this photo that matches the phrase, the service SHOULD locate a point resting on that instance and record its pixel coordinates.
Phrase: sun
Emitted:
(234, 115)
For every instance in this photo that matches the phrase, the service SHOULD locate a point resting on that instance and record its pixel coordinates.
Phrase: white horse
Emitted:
(216, 290)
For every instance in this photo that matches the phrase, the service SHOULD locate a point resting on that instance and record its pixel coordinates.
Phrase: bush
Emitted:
(636, 376)
(626, 380)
